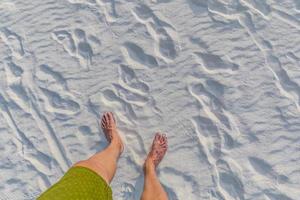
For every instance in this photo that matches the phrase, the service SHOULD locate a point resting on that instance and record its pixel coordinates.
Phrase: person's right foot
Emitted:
(158, 150)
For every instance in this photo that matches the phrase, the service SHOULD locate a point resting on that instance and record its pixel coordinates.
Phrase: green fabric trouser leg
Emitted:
(79, 183)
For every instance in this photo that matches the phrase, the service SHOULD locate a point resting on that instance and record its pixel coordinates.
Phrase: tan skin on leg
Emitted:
(152, 187)
(104, 163)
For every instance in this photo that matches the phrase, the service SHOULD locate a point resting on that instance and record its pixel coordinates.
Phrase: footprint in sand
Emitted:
(85, 130)
(131, 96)
(143, 12)
(128, 76)
(275, 195)
(214, 63)
(135, 91)
(51, 76)
(130, 88)
(66, 40)
(54, 91)
(180, 184)
(229, 181)
(13, 71)
(16, 89)
(265, 10)
(136, 55)
(265, 169)
(110, 98)
(84, 49)
(59, 104)
(162, 31)
(210, 132)
(13, 41)
(208, 96)
(166, 45)
(39, 161)
(197, 6)
(109, 9)
(20, 91)
(77, 45)
(297, 4)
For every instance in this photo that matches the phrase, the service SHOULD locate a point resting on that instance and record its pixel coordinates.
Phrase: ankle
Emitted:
(149, 166)
(116, 145)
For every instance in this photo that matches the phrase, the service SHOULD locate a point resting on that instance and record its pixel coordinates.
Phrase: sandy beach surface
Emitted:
(220, 77)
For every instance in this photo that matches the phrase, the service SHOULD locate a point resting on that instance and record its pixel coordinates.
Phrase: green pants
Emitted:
(79, 183)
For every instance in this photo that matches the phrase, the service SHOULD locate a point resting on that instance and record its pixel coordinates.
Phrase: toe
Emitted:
(103, 124)
(162, 139)
(110, 118)
(157, 137)
(113, 117)
(104, 118)
(163, 144)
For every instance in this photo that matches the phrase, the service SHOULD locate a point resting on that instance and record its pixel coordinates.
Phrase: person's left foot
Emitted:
(109, 127)
(158, 150)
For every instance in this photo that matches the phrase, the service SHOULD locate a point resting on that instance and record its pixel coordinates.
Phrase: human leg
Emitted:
(152, 187)
(104, 163)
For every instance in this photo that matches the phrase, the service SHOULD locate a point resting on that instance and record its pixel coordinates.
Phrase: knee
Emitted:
(82, 163)
(96, 167)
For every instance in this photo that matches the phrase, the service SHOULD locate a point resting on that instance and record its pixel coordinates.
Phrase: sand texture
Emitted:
(220, 77)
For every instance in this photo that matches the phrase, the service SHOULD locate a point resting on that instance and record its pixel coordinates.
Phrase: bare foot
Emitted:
(109, 127)
(158, 150)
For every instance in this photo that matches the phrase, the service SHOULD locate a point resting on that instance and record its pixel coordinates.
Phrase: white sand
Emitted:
(220, 77)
